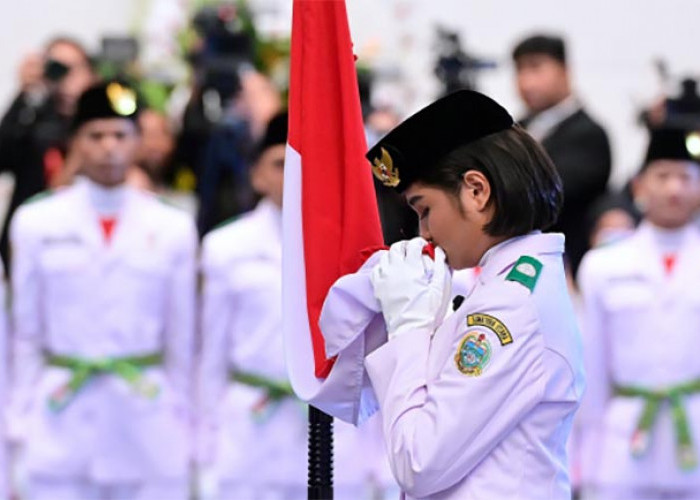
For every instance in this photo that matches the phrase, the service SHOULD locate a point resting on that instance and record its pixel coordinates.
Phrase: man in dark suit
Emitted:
(577, 144)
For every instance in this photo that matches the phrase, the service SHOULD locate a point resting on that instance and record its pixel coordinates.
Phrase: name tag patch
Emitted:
(493, 324)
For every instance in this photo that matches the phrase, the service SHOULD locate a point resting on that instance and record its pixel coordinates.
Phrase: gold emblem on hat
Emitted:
(122, 99)
(384, 170)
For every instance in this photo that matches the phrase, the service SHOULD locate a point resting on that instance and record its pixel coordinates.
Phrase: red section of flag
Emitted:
(339, 208)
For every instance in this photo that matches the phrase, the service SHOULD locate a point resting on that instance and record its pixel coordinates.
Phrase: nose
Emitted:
(110, 142)
(424, 232)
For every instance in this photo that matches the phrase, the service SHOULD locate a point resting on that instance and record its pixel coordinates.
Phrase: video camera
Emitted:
(226, 50)
(680, 111)
(455, 68)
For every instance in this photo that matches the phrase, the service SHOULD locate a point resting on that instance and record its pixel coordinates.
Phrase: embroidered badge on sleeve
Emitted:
(474, 354)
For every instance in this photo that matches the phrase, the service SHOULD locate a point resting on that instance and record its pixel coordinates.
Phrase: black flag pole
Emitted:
(320, 486)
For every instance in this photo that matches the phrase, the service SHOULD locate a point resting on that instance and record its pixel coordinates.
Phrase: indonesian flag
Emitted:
(330, 217)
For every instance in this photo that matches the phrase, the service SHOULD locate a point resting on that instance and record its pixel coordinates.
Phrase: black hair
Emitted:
(526, 189)
(67, 40)
(550, 45)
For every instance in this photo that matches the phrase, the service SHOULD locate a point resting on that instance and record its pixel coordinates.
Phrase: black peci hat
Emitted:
(276, 132)
(110, 99)
(673, 144)
(422, 140)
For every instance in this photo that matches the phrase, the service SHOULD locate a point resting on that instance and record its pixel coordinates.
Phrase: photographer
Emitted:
(229, 106)
(33, 132)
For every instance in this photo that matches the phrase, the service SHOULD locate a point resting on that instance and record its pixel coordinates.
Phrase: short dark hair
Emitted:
(73, 42)
(549, 45)
(526, 189)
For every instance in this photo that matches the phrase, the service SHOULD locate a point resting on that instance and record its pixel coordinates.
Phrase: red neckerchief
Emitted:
(107, 224)
(669, 260)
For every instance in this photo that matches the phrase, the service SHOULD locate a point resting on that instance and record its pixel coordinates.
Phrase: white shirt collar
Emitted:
(543, 123)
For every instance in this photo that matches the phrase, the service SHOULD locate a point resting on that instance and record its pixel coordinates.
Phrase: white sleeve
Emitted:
(590, 415)
(180, 316)
(438, 430)
(27, 321)
(4, 358)
(213, 363)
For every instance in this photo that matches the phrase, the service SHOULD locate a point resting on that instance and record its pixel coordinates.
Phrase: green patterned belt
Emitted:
(275, 389)
(129, 368)
(685, 450)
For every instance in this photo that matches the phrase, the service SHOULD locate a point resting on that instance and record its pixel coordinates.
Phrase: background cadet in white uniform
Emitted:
(103, 285)
(478, 406)
(5, 465)
(253, 438)
(640, 419)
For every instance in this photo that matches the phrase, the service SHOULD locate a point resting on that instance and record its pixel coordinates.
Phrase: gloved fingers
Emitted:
(415, 247)
(441, 270)
(415, 257)
(379, 270)
(397, 251)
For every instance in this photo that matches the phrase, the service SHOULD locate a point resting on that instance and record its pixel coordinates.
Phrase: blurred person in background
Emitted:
(154, 156)
(640, 418)
(104, 317)
(229, 105)
(611, 219)
(253, 430)
(578, 146)
(5, 464)
(34, 130)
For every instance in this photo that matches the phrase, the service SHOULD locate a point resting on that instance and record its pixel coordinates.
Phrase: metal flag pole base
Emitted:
(320, 486)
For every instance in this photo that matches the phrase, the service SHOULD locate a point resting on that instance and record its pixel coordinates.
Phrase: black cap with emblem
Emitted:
(422, 140)
(673, 144)
(275, 133)
(109, 99)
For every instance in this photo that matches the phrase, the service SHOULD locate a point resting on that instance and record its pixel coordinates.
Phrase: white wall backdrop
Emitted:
(612, 44)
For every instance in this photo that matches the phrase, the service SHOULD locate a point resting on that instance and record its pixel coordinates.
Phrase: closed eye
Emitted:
(424, 213)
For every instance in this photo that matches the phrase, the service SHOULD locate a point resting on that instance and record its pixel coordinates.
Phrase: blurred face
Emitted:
(668, 192)
(77, 80)
(107, 148)
(542, 81)
(612, 225)
(454, 223)
(157, 142)
(267, 175)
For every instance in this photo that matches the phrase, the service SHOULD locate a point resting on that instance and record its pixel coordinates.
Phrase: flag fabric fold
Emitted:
(330, 215)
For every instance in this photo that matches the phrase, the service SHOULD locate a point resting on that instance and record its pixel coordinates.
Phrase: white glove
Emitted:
(413, 290)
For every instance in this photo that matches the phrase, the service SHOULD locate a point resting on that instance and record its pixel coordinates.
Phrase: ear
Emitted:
(257, 181)
(477, 189)
(639, 193)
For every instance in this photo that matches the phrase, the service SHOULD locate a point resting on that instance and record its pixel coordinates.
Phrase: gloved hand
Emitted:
(413, 290)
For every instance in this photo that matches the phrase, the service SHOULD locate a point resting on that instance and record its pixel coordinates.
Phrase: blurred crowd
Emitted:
(131, 378)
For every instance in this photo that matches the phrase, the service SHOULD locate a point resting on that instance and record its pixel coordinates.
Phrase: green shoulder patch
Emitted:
(526, 271)
(38, 196)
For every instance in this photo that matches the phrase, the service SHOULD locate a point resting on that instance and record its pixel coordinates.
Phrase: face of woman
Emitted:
(455, 224)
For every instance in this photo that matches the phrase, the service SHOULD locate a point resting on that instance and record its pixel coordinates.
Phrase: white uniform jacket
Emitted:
(483, 409)
(76, 296)
(243, 437)
(4, 373)
(641, 329)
